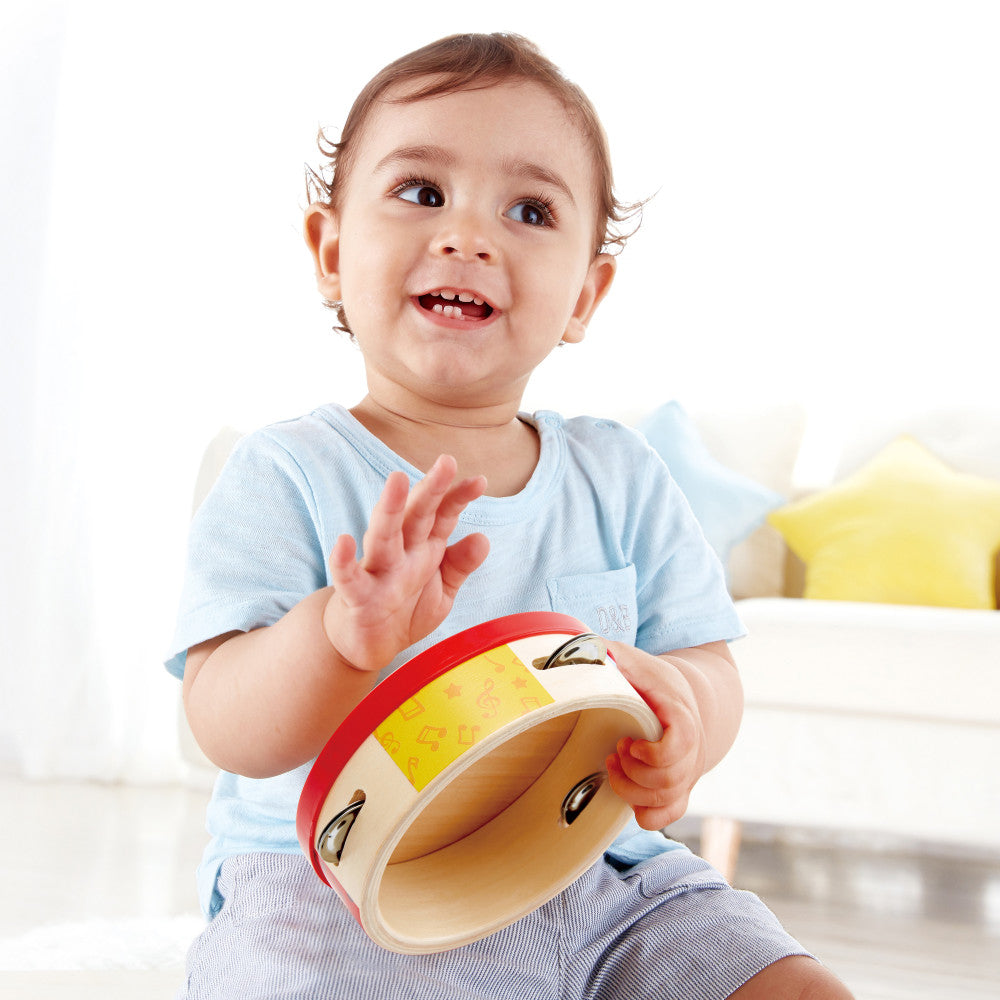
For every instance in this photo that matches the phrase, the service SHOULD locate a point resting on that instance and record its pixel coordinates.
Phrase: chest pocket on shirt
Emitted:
(605, 602)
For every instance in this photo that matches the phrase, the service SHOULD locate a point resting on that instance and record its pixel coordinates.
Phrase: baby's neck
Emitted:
(500, 447)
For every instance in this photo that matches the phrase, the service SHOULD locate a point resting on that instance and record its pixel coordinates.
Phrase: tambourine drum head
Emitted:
(485, 790)
(505, 862)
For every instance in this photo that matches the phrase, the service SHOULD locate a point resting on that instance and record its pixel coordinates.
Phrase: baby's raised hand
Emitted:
(405, 582)
(656, 778)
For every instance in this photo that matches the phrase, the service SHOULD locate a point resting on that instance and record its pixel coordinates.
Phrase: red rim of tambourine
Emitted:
(401, 684)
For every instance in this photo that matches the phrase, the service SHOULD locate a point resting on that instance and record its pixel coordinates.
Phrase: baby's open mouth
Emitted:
(455, 305)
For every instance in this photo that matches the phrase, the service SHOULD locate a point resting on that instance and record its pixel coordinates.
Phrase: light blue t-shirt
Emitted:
(600, 532)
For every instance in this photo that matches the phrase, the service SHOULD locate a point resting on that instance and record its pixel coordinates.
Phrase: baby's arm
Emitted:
(697, 696)
(263, 702)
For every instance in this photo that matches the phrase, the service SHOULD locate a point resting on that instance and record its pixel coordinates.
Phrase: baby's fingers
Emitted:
(454, 502)
(345, 575)
(655, 806)
(437, 501)
(461, 560)
(342, 562)
(639, 772)
(654, 765)
(383, 541)
(421, 506)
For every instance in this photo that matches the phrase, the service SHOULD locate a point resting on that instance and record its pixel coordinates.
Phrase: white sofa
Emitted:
(880, 719)
(877, 719)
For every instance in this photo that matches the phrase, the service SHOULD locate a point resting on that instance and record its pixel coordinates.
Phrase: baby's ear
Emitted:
(322, 233)
(595, 286)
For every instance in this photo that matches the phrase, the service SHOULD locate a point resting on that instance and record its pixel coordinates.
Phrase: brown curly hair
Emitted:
(467, 62)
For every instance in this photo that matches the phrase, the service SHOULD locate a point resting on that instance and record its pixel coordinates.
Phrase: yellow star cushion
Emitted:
(903, 529)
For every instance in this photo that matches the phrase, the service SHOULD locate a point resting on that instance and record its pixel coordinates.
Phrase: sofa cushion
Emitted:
(727, 504)
(905, 528)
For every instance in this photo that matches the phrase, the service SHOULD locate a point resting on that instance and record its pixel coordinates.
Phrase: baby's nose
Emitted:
(467, 235)
(484, 255)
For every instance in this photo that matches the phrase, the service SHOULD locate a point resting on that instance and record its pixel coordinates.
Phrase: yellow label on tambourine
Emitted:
(454, 712)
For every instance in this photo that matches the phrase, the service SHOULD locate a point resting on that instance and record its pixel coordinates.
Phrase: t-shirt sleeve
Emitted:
(254, 549)
(682, 595)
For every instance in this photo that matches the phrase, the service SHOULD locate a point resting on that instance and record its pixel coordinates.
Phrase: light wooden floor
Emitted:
(894, 922)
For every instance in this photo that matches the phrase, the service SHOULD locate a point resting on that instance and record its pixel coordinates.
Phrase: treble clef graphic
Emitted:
(489, 703)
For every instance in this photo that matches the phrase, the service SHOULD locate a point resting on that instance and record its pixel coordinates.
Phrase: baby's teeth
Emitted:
(447, 295)
(464, 298)
(479, 302)
(451, 312)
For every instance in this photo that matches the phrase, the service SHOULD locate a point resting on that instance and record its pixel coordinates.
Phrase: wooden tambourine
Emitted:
(468, 787)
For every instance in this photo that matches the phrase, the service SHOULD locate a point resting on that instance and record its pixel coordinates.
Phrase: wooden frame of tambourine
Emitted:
(467, 788)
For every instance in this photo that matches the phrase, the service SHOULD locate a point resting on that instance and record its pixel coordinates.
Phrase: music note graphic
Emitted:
(497, 665)
(431, 735)
(489, 703)
(410, 709)
(458, 711)
(467, 735)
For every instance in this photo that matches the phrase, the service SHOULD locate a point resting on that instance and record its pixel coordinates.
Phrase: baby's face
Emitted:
(464, 241)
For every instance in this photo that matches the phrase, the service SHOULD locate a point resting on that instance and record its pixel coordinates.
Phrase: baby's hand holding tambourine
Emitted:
(656, 777)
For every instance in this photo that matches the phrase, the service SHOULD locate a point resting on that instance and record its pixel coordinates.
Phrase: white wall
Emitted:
(823, 228)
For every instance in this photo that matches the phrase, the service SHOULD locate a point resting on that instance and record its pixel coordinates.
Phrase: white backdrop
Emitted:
(824, 229)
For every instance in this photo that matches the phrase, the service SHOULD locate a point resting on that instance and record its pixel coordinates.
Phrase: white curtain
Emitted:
(824, 228)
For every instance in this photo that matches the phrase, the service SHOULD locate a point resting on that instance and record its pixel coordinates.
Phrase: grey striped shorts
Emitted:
(669, 928)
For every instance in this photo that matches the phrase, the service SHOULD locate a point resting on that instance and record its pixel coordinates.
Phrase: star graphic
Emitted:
(453, 690)
(520, 682)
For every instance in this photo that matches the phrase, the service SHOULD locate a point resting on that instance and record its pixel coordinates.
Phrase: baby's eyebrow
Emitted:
(416, 154)
(438, 155)
(529, 171)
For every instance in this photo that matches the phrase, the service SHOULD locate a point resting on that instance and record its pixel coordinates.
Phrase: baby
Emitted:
(462, 235)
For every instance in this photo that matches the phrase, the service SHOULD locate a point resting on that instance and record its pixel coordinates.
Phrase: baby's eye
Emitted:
(420, 194)
(531, 213)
